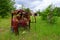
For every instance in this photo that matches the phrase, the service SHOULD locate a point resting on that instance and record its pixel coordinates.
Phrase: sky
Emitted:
(36, 5)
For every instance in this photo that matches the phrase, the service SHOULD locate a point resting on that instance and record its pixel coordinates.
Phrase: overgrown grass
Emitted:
(41, 30)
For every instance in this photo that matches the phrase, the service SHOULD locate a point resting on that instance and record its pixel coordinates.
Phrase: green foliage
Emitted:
(48, 14)
(45, 12)
(38, 12)
(6, 6)
(44, 16)
(28, 10)
(57, 11)
(39, 31)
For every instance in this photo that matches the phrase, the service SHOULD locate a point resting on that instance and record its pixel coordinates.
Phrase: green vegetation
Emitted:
(6, 6)
(41, 30)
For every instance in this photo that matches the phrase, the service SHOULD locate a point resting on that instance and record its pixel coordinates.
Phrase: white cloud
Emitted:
(45, 3)
(37, 4)
(18, 6)
(41, 5)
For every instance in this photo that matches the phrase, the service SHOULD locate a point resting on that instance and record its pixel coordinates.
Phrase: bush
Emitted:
(51, 18)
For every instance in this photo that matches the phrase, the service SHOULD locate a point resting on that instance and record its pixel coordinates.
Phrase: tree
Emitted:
(6, 6)
(48, 14)
(57, 11)
(38, 12)
(46, 11)
(28, 10)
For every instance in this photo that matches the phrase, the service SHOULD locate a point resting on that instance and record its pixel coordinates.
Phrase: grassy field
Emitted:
(41, 30)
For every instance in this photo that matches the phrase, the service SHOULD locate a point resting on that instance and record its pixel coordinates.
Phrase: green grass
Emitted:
(41, 30)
